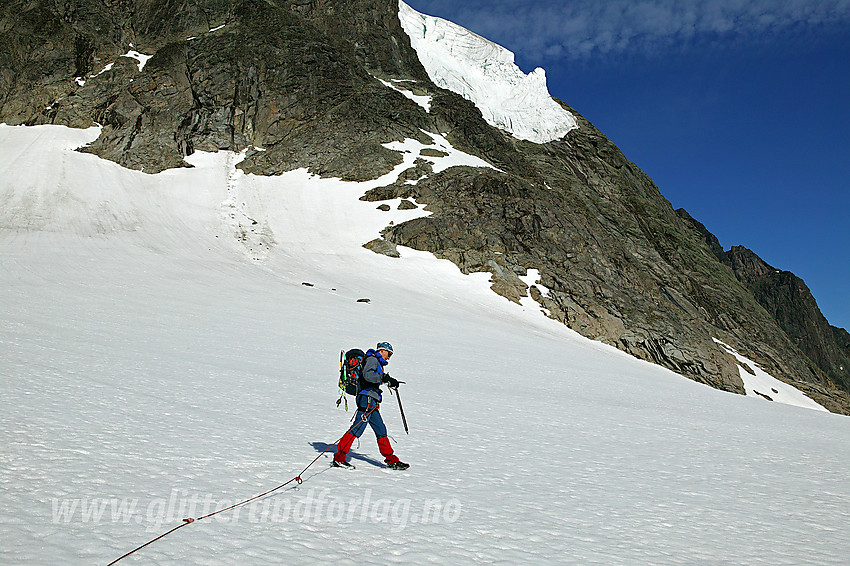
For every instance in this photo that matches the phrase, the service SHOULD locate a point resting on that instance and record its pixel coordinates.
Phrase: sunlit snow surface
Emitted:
(481, 71)
(153, 367)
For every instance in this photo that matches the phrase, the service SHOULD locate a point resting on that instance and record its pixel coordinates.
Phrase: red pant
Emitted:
(344, 445)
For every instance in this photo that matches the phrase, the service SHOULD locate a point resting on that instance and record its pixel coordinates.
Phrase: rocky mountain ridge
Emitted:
(790, 302)
(300, 80)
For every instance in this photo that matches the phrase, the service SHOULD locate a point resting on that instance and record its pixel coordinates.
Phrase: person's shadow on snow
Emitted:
(322, 446)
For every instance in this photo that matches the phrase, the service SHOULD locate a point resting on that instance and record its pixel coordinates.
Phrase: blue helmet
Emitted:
(384, 346)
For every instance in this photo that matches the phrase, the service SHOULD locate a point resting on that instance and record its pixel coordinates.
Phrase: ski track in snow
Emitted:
(146, 356)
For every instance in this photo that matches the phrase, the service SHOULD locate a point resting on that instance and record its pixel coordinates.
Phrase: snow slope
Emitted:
(481, 71)
(155, 366)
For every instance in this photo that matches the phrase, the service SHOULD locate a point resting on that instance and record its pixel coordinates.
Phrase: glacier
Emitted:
(485, 73)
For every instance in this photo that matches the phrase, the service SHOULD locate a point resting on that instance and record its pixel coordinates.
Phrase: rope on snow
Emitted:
(297, 479)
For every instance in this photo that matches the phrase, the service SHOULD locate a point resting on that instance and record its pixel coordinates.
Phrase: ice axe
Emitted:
(400, 408)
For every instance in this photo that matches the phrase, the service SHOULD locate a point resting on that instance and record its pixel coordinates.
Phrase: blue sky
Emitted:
(739, 110)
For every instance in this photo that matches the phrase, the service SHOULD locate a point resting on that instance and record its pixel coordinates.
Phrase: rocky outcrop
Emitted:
(281, 77)
(710, 239)
(790, 302)
(295, 83)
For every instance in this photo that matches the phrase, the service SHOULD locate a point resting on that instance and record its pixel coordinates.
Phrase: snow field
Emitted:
(146, 355)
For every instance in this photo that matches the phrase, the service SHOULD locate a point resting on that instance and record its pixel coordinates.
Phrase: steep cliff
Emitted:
(788, 300)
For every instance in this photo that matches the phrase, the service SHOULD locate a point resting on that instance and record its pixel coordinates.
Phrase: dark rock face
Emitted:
(788, 300)
(710, 239)
(281, 77)
(298, 79)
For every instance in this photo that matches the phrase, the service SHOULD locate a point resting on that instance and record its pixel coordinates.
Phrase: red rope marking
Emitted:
(297, 479)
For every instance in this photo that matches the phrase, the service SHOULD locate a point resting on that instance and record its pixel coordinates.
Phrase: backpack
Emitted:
(350, 372)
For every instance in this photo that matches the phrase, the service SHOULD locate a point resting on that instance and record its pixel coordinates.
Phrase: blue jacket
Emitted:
(373, 376)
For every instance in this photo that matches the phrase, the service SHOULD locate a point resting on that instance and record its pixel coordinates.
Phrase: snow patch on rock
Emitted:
(422, 100)
(140, 57)
(759, 383)
(453, 158)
